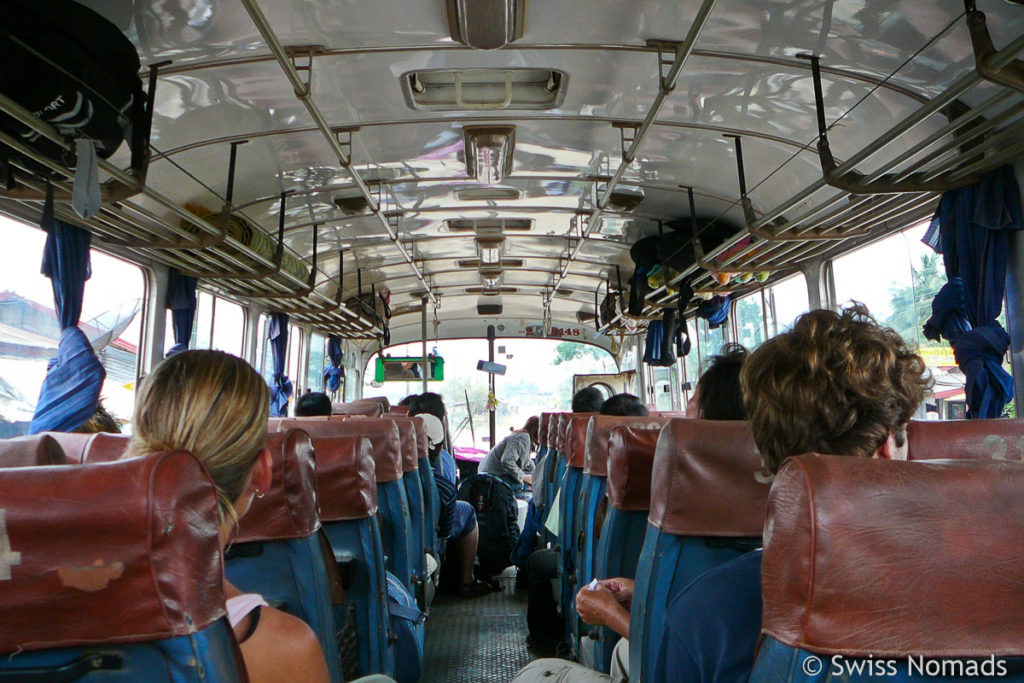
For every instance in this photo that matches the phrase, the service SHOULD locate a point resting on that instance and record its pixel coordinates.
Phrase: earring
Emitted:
(259, 493)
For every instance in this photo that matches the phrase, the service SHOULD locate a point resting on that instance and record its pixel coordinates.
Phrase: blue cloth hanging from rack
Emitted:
(280, 386)
(181, 300)
(971, 231)
(715, 310)
(71, 389)
(333, 373)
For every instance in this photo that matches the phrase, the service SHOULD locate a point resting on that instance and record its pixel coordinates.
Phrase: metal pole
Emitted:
(423, 336)
(490, 383)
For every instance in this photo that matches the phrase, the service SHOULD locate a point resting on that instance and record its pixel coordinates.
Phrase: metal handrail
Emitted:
(302, 92)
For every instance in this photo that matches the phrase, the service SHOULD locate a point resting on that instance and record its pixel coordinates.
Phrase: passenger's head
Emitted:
(435, 434)
(718, 395)
(836, 383)
(587, 400)
(532, 427)
(313, 404)
(101, 421)
(624, 404)
(430, 403)
(407, 401)
(213, 405)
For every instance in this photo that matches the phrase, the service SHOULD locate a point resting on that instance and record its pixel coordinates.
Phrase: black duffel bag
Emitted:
(77, 71)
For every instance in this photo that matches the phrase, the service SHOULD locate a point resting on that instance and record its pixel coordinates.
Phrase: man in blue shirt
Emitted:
(836, 383)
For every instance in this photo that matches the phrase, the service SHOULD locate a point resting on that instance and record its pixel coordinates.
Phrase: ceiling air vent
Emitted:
(491, 290)
(563, 292)
(478, 224)
(482, 89)
(488, 194)
(585, 316)
(485, 24)
(474, 263)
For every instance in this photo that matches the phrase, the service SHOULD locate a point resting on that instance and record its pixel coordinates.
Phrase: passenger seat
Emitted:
(872, 564)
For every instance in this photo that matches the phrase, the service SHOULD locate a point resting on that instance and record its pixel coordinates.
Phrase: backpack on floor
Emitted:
(77, 71)
(407, 628)
(497, 517)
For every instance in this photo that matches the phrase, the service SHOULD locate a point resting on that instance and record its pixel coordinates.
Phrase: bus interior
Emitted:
(501, 202)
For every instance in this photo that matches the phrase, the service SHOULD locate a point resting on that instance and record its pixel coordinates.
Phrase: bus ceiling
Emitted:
(304, 157)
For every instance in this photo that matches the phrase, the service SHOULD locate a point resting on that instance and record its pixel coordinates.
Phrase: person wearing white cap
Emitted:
(458, 519)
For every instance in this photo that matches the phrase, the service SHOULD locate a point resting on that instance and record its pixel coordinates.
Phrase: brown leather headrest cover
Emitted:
(542, 429)
(575, 441)
(274, 423)
(33, 451)
(555, 429)
(865, 556)
(115, 552)
(288, 508)
(367, 408)
(965, 440)
(346, 483)
(407, 441)
(399, 410)
(708, 480)
(422, 446)
(595, 460)
(382, 433)
(630, 459)
(107, 447)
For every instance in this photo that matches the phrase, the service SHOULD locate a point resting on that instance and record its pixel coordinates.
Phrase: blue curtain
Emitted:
(971, 231)
(334, 372)
(71, 389)
(181, 300)
(281, 386)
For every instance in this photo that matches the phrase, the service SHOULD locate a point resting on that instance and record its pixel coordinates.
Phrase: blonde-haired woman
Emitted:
(215, 406)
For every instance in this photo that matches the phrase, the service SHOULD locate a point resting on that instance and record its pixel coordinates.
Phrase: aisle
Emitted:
(476, 640)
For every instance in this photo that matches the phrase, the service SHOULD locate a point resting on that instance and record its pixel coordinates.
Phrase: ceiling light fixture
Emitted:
(488, 151)
(485, 24)
(491, 277)
(490, 248)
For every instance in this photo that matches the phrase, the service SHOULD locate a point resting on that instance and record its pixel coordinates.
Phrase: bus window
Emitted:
(663, 382)
(29, 331)
(711, 340)
(749, 316)
(263, 362)
(905, 276)
(228, 326)
(206, 309)
(294, 365)
(787, 299)
(317, 362)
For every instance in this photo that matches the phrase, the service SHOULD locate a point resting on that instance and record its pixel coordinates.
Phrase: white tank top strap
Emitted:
(240, 605)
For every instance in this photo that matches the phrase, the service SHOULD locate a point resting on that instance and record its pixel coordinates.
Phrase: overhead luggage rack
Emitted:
(196, 246)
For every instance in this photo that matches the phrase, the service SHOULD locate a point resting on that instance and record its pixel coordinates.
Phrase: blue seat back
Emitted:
(119, 575)
(856, 542)
(708, 496)
(393, 504)
(279, 553)
(431, 502)
(616, 552)
(347, 492)
(575, 442)
(416, 533)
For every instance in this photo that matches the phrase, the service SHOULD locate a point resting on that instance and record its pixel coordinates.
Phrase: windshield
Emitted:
(538, 379)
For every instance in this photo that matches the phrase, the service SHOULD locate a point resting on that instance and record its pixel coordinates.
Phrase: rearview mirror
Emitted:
(408, 369)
